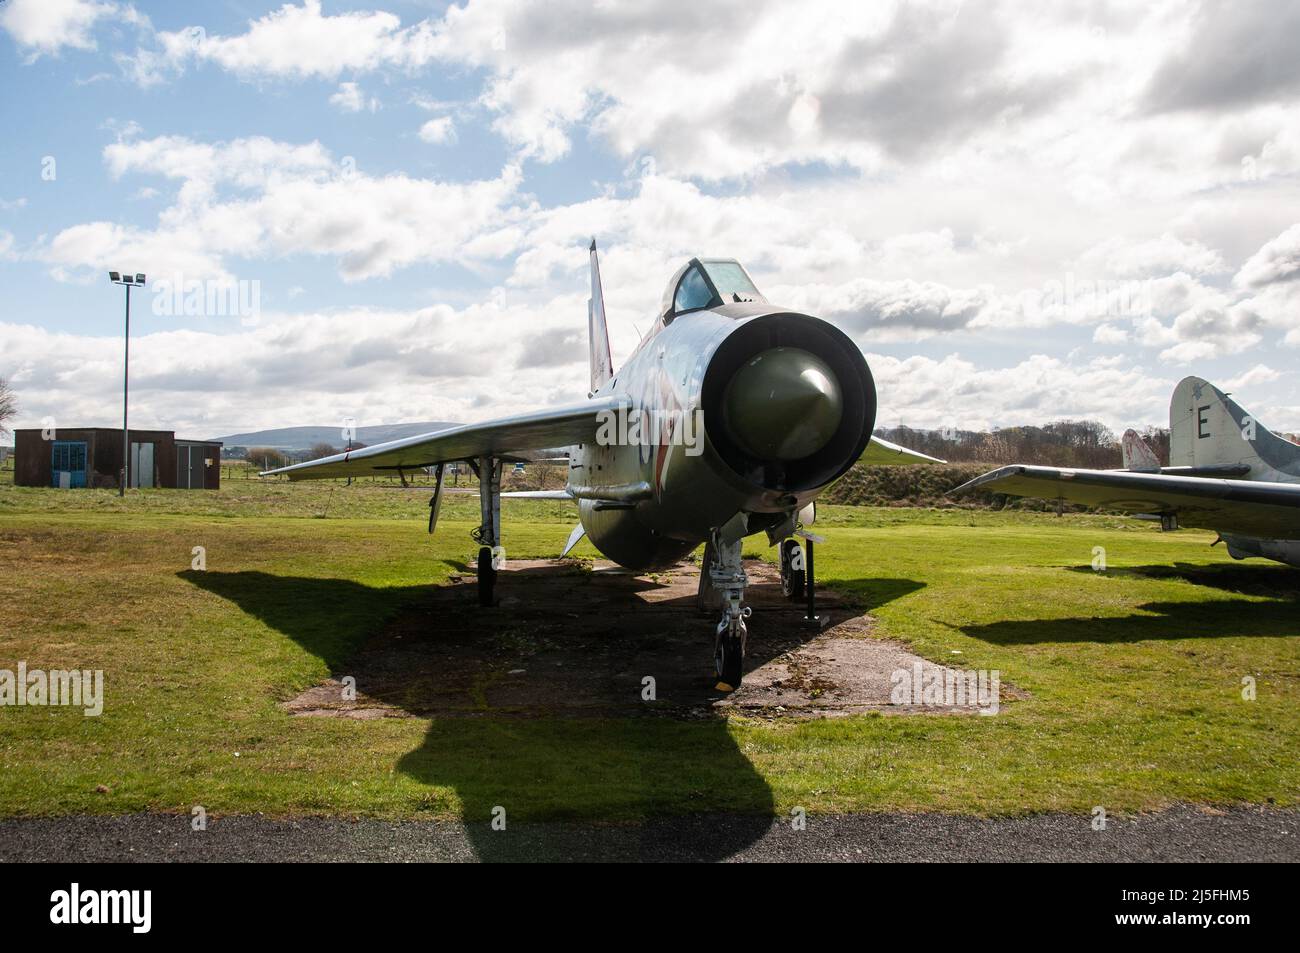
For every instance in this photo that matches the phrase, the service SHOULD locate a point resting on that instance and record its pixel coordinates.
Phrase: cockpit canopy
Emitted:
(707, 283)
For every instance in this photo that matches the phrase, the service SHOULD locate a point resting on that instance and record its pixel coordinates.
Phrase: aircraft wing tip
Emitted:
(983, 479)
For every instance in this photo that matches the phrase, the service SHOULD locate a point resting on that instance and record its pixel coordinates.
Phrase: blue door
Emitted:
(68, 464)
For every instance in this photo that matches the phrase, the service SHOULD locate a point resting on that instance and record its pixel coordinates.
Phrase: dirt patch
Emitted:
(576, 640)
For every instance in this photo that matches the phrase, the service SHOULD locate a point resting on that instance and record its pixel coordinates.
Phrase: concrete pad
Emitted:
(573, 639)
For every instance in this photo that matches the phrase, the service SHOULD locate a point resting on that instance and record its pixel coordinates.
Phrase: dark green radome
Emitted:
(784, 404)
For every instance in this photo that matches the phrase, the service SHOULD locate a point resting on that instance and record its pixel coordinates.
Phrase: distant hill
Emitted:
(290, 439)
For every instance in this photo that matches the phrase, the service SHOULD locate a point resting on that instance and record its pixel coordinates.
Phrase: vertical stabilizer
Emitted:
(602, 364)
(1138, 456)
(1207, 428)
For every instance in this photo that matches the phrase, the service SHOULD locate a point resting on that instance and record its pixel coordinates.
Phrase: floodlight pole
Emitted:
(126, 281)
(126, 373)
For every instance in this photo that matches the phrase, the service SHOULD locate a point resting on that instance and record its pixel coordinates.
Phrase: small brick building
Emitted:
(92, 457)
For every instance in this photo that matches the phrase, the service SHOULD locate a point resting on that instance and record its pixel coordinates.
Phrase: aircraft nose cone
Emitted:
(784, 404)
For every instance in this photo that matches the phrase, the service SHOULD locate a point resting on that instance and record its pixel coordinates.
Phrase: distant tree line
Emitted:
(8, 404)
(270, 458)
(1065, 443)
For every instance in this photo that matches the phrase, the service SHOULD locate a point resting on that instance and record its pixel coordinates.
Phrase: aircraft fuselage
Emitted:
(695, 453)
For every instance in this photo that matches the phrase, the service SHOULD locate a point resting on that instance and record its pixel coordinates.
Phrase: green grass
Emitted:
(1133, 675)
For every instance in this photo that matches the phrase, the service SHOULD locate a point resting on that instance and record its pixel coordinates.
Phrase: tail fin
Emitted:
(1208, 428)
(602, 364)
(1137, 455)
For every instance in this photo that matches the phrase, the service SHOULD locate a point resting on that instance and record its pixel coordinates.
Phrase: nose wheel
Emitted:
(729, 654)
(487, 577)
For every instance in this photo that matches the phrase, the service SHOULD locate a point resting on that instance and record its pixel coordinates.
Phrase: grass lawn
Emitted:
(1134, 675)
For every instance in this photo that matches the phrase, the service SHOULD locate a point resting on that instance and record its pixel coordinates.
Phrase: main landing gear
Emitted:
(488, 533)
(797, 580)
(792, 570)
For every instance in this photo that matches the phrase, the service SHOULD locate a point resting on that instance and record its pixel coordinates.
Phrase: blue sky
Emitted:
(1019, 214)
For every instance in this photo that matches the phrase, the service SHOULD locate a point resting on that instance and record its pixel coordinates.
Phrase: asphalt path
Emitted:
(1183, 833)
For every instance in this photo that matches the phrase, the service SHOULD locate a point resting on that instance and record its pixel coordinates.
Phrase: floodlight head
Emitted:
(139, 279)
(113, 276)
(126, 279)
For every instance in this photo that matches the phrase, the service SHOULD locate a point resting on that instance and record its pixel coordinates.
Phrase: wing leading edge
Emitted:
(882, 453)
(556, 427)
(1266, 510)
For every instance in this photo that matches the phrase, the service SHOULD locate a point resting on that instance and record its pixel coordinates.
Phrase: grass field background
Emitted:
(1134, 675)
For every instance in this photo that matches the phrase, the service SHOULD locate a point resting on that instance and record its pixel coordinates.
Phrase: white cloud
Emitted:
(1015, 176)
(439, 130)
(1109, 334)
(443, 363)
(1259, 374)
(258, 198)
(46, 26)
(955, 392)
(1052, 97)
(375, 365)
(1204, 332)
(1123, 258)
(299, 42)
(1277, 261)
(350, 99)
(890, 310)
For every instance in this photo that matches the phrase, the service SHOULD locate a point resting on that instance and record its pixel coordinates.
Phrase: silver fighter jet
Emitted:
(729, 419)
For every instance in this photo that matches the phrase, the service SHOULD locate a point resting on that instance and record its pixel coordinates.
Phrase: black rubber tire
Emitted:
(729, 660)
(487, 577)
(792, 580)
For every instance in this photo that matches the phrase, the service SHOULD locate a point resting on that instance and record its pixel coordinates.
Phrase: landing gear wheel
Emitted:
(729, 657)
(487, 577)
(792, 580)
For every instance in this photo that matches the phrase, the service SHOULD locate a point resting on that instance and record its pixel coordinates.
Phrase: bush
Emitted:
(267, 458)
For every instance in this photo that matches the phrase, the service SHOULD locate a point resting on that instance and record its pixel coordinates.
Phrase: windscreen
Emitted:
(729, 278)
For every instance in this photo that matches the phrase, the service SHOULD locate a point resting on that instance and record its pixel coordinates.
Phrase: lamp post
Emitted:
(128, 282)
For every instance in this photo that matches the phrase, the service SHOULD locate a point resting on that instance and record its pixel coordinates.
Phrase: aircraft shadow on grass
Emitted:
(1214, 618)
(1252, 579)
(634, 767)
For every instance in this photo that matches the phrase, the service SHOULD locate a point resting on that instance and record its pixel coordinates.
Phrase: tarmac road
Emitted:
(1180, 834)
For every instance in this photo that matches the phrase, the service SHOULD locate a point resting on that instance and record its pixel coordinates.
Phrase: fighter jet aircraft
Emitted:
(729, 419)
(1227, 472)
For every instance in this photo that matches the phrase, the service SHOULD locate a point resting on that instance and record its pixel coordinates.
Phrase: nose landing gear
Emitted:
(724, 574)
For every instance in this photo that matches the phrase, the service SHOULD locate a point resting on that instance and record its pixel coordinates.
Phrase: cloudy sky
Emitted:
(1019, 211)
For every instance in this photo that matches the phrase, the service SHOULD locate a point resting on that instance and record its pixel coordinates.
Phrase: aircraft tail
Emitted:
(1210, 429)
(1138, 456)
(602, 364)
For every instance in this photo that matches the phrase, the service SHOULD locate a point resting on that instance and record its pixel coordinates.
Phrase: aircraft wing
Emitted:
(557, 427)
(881, 453)
(1252, 508)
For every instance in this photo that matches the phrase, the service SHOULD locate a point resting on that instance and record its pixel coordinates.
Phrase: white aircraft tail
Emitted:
(1210, 429)
(602, 364)
(1138, 456)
